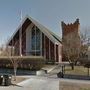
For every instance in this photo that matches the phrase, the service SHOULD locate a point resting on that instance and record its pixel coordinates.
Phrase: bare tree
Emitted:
(71, 47)
(85, 41)
(84, 53)
(14, 59)
(9, 53)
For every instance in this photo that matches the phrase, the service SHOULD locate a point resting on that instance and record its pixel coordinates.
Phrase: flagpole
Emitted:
(35, 40)
(20, 35)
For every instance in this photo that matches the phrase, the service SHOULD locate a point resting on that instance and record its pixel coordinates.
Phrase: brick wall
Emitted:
(70, 35)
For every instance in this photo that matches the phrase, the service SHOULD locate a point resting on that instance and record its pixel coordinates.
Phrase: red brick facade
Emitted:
(24, 43)
(68, 28)
(52, 52)
(68, 31)
(49, 50)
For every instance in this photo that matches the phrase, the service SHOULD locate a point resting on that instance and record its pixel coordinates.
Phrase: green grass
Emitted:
(85, 89)
(78, 70)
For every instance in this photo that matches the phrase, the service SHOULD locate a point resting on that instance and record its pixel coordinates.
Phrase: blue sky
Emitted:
(50, 13)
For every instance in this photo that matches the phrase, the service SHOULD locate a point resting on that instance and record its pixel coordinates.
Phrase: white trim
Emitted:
(59, 52)
(17, 29)
(28, 38)
(46, 31)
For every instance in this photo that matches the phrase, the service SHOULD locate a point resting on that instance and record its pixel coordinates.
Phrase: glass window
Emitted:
(35, 41)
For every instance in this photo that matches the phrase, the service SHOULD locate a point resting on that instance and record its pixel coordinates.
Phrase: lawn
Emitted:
(74, 86)
(78, 70)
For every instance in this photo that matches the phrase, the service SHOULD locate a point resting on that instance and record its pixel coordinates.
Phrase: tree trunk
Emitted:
(15, 71)
(88, 71)
(72, 66)
(75, 63)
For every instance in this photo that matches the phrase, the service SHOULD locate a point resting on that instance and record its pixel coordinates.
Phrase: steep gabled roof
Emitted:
(53, 37)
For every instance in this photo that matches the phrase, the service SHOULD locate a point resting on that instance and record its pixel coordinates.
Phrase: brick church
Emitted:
(33, 39)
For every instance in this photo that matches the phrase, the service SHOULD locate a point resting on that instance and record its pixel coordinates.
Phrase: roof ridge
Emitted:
(40, 26)
(52, 33)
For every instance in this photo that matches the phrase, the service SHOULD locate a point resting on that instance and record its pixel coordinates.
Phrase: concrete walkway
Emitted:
(42, 83)
(49, 68)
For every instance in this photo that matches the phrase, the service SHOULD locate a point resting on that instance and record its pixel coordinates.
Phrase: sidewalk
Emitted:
(40, 83)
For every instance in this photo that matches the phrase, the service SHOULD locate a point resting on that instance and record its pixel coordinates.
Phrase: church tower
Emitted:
(70, 36)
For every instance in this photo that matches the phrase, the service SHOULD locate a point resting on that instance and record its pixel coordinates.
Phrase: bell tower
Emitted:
(70, 36)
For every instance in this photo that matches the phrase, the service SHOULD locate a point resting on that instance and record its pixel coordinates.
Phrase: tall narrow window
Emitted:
(35, 41)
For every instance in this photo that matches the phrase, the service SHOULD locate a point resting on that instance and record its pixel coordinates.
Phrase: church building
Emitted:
(33, 39)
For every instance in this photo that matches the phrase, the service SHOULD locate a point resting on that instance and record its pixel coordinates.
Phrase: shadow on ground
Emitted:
(19, 71)
(78, 77)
